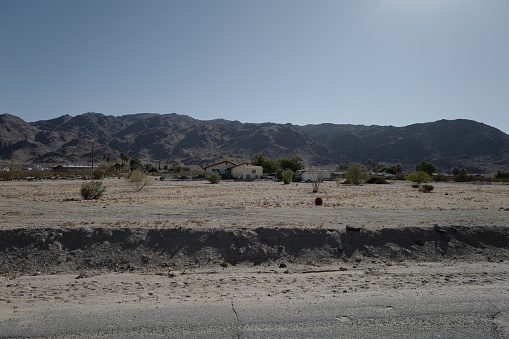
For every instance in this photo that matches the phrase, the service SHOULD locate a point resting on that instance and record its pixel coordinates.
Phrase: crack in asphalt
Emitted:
(237, 321)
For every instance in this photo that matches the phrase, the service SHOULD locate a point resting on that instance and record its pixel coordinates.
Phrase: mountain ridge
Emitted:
(169, 138)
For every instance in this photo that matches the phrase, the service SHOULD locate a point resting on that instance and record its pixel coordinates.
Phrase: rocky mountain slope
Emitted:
(173, 138)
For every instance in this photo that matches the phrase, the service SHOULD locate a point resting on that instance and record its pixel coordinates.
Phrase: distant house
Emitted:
(221, 168)
(246, 171)
(75, 168)
(228, 169)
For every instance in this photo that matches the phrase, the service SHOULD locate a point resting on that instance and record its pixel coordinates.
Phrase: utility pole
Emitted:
(93, 141)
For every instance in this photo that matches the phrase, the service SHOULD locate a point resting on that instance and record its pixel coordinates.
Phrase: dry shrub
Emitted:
(92, 190)
(138, 180)
(214, 178)
(426, 188)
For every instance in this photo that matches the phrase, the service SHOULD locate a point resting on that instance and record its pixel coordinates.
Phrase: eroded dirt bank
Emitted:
(68, 249)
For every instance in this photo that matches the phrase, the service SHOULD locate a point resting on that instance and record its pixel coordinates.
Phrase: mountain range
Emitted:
(171, 138)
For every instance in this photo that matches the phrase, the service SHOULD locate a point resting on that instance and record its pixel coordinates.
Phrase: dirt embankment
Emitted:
(46, 227)
(68, 249)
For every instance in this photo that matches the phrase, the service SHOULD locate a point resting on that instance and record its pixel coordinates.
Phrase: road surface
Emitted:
(455, 312)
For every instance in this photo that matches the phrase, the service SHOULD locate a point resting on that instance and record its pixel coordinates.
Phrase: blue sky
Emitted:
(372, 62)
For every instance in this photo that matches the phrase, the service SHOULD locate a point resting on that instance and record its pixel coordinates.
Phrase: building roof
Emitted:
(226, 162)
(246, 164)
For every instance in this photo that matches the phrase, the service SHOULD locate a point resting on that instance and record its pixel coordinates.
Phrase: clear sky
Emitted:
(370, 62)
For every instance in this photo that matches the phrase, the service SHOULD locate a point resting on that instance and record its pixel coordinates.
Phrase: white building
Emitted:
(221, 168)
(228, 169)
(246, 171)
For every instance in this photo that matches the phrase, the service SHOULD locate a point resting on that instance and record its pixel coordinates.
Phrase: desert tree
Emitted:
(149, 168)
(125, 160)
(269, 165)
(356, 174)
(294, 162)
(501, 175)
(425, 166)
(135, 165)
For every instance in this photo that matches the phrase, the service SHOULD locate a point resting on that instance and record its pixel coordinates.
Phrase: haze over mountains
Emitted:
(170, 138)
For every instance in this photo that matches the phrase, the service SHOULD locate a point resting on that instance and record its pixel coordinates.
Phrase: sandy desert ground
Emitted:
(245, 206)
(251, 204)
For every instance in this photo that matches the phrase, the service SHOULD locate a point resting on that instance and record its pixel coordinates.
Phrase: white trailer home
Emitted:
(307, 175)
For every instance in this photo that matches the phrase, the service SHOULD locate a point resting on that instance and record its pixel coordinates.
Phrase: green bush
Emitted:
(287, 176)
(214, 178)
(418, 177)
(92, 190)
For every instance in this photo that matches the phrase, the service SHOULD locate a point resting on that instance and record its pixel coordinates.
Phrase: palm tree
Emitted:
(106, 159)
(125, 159)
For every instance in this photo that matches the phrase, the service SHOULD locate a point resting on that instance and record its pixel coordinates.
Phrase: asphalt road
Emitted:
(458, 312)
